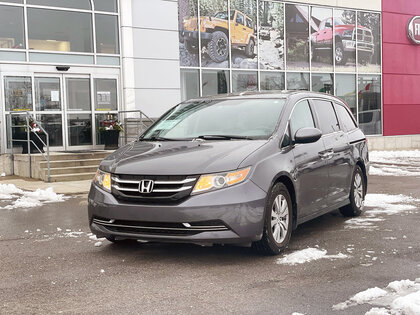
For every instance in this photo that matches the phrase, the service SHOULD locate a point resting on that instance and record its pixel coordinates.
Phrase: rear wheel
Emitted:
(277, 222)
(218, 47)
(357, 195)
(249, 49)
(340, 56)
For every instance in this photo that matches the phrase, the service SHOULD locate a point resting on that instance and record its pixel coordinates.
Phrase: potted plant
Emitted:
(109, 133)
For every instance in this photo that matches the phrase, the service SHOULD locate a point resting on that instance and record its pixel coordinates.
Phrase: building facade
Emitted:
(74, 64)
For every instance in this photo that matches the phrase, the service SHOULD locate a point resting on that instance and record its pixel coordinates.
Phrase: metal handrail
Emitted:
(142, 117)
(29, 129)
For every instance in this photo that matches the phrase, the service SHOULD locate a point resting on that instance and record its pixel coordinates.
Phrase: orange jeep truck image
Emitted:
(214, 33)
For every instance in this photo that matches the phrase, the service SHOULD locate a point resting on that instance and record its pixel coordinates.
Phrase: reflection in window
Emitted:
(106, 94)
(370, 104)
(107, 34)
(298, 81)
(297, 30)
(53, 125)
(59, 30)
(189, 84)
(103, 123)
(323, 83)
(272, 80)
(215, 82)
(321, 39)
(78, 94)
(18, 93)
(105, 5)
(73, 4)
(345, 88)
(326, 116)
(271, 35)
(345, 43)
(11, 27)
(301, 117)
(369, 42)
(47, 94)
(244, 81)
(80, 129)
(188, 43)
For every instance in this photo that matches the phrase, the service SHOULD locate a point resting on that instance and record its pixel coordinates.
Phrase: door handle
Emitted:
(326, 155)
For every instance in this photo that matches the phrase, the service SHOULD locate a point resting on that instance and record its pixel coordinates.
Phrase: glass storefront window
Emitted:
(105, 5)
(78, 94)
(190, 84)
(47, 94)
(107, 34)
(52, 123)
(73, 4)
(18, 123)
(103, 121)
(271, 35)
(59, 30)
(270, 80)
(297, 33)
(18, 93)
(345, 40)
(323, 83)
(244, 81)
(345, 88)
(11, 27)
(370, 115)
(369, 42)
(106, 94)
(214, 42)
(298, 81)
(321, 39)
(188, 40)
(215, 82)
(80, 129)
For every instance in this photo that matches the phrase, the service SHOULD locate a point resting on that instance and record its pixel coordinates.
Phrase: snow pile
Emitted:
(399, 297)
(307, 255)
(365, 222)
(28, 199)
(389, 204)
(395, 163)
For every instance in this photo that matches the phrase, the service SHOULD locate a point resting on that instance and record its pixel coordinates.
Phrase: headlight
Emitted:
(212, 182)
(103, 180)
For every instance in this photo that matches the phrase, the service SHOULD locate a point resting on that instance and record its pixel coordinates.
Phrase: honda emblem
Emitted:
(146, 186)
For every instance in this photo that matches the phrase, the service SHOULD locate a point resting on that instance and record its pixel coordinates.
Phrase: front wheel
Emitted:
(277, 222)
(218, 47)
(357, 195)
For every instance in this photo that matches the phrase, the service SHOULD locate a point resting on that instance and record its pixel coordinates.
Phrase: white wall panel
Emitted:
(156, 74)
(155, 14)
(155, 44)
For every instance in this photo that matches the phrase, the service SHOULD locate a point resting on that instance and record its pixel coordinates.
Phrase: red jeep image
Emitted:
(345, 41)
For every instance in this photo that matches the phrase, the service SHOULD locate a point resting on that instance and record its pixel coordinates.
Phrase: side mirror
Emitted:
(307, 135)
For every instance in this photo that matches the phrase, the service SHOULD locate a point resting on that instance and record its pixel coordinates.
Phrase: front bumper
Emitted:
(193, 36)
(239, 209)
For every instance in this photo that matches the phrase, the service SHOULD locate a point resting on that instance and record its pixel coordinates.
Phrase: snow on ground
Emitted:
(399, 297)
(307, 255)
(395, 163)
(27, 199)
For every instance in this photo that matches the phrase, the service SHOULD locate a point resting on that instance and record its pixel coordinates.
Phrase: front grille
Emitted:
(160, 228)
(364, 36)
(166, 189)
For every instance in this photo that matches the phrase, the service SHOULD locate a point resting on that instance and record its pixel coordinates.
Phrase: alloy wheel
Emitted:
(358, 190)
(279, 218)
(338, 54)
(221, 47)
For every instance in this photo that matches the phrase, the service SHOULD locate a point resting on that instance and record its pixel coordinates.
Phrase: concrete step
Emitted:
(58, 156)
(71, 163)
(71, 170)
(71, 177)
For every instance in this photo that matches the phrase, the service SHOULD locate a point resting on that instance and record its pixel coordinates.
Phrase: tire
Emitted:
(357, 195)
(249, 49)
(272, 243)
(190, 47)
(218, 47)
(340, 56)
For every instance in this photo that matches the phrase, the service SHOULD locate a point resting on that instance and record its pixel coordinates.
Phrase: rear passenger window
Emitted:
(301, 117)
(346, 120)
(328, 122)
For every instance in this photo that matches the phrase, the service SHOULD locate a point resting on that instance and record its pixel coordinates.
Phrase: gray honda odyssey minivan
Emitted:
(233, 169)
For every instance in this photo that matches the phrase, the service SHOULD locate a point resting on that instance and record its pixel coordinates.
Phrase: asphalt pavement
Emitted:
(50, 264)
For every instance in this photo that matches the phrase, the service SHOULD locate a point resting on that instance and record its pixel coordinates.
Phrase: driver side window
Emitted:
(301, 117)
(240, 19)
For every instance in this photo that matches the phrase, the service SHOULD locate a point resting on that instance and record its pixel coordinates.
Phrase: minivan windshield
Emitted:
(218, 119)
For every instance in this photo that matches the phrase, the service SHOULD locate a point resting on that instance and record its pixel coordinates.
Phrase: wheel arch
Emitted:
(221, 29)
(288, 182)
(362, 165)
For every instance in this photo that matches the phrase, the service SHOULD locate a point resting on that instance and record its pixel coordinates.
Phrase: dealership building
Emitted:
(77, 65)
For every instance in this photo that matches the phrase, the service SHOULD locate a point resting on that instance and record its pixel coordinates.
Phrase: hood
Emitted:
(179, 157)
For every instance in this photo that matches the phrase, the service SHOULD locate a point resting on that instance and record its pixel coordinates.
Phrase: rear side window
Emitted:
(328, 122)
(346, 120)
(301, 117)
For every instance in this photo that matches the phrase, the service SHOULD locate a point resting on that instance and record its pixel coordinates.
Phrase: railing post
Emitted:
(28, 136)
(48, 156)
(9, 118)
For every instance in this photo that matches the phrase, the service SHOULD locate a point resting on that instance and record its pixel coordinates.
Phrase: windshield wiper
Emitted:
(157, 139)
(223, 137)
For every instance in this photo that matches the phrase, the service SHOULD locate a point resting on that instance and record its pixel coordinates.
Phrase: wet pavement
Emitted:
(49, 264)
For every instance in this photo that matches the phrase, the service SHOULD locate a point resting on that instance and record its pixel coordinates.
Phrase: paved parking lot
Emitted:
(50, 264)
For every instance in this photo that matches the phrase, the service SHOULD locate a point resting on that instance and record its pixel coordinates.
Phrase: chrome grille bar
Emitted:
(158, 182)
(154, 190)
